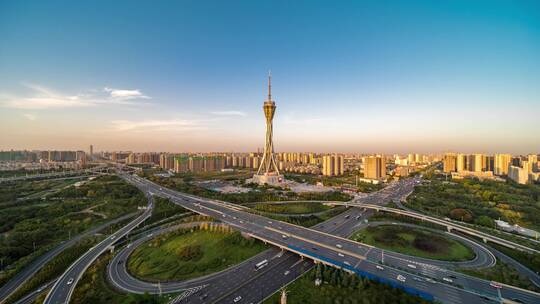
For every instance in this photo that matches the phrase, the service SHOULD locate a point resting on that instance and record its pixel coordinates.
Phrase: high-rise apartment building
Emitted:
(333, 165)
(501, 163)
(476, 162)
(450, 162)
(488, 163)
(533, 162)
(375, 167)
(166, 161)
(461, 162)
(519, 174)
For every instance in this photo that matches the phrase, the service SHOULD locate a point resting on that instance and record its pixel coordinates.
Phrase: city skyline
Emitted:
(356, 80)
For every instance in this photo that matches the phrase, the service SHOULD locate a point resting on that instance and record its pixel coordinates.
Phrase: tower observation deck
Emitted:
(268, 172)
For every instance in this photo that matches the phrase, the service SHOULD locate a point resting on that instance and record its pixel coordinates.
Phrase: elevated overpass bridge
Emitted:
(59, 174)
(343, 253)
(450, 226)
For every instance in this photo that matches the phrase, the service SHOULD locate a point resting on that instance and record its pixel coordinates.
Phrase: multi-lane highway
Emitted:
(430, 282)
(63, 288)
(451, 226)
(27, 272)
(58, 174)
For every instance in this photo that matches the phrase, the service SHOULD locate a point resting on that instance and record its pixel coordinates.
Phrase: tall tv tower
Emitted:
(268, 170)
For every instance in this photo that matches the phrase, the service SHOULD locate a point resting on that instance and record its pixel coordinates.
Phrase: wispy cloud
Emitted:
(41, 97)
(229, 113)
(125, 94)
(158, 125)
(29, 116)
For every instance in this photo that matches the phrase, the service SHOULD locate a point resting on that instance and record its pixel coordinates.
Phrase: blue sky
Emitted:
(358, 76)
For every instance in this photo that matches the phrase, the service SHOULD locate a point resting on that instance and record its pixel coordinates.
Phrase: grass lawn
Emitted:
(292, 208)
(414, 241)
(32, 226)
(184, 254)
(95, 288)
(503, 273)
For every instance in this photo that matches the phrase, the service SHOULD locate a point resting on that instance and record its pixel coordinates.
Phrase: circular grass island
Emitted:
(191, 253)
(415, 242)
(292, 208)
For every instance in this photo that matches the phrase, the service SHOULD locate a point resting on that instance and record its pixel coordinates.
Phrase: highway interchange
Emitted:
(63, 287)
(328, 248)
(326, 243)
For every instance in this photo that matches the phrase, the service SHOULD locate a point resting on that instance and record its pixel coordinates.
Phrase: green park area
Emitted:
(414, 241)
(479, 202)
(32, 224)
(349, 179)
(292, 208)
(190, 253)
(187, 183)
(340, 287)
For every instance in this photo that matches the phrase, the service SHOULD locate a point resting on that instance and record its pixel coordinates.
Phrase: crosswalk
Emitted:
(186, 294)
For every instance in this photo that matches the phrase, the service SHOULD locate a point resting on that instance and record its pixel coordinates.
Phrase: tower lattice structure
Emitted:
(268, 163)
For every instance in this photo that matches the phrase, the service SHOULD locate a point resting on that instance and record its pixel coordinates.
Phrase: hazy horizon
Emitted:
(370, 77)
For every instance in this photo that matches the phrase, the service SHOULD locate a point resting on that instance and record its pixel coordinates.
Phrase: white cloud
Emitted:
(125, 94)
(229, 113)
(40, 97)
(158, 125)
(29, 116)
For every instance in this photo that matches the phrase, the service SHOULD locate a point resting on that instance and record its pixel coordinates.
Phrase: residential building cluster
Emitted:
(522, 170)
(42, 159)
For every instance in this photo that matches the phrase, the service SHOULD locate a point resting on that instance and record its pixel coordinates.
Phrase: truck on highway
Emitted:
(261, 265)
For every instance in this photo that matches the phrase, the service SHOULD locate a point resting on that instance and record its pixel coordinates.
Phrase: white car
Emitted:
(339, 246)
(113, 237)
(347, 263)
(411, 266)
(286, 272)
(379, 267)
(448, 280)
(70, 281)
(237, 299)
(401, 278)
(340, 254)
(431, 280)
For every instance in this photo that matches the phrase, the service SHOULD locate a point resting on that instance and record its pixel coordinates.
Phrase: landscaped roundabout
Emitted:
(415, 241)
(207, 257)
(191, 252)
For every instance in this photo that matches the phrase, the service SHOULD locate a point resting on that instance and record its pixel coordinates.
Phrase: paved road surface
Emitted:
(64, 286)
(347, 254)
(27, 272)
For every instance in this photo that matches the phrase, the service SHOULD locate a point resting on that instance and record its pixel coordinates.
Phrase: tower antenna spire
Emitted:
(269, 85)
